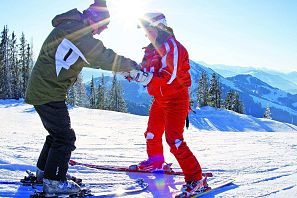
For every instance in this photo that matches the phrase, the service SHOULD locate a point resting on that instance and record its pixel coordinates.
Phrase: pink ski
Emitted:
(129, 169)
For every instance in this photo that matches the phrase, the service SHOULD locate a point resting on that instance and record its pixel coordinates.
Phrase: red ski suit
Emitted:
(171, 80)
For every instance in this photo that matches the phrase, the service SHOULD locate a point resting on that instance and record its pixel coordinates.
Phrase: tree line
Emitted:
(16, 61)
(98, 97)
(209, 93)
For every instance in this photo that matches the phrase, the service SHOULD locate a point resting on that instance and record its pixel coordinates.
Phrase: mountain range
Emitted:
(255, 93)
(281, 80)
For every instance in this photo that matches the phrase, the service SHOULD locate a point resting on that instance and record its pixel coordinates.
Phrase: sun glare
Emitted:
(127, 11)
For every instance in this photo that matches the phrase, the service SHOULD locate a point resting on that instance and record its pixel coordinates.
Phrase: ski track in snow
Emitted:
(263, 164)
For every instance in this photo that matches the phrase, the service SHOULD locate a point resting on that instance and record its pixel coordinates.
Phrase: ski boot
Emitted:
(37, 179)
(192, 188)
(40, 175)
(150, 166)
(52, 188)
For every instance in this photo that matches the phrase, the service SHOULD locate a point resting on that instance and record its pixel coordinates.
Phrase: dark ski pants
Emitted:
(57, 148)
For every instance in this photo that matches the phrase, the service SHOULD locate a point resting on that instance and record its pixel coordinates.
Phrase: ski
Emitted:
(89, 189)
(131, 188)
(114, 190)
(31, 180)
(82, 193)
(211, 187)
(19, 183)
(215, 186)
(127, 169)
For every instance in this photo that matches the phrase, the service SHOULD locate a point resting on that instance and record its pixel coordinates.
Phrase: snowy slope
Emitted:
(210, 119)
(263, 164)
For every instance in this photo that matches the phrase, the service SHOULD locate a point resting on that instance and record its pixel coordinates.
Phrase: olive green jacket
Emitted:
(68, 48)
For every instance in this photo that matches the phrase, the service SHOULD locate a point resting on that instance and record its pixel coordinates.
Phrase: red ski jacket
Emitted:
(170, 66)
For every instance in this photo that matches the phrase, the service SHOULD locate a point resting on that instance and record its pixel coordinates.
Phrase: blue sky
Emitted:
(258, 33)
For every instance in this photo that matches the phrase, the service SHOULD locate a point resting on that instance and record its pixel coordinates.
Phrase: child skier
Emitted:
(165, 72)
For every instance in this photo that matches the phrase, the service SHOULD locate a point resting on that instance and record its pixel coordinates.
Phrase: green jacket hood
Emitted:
(73, 15)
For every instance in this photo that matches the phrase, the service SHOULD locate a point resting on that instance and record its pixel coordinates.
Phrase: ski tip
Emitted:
(72, 162)
(139, 181)
(207, 174)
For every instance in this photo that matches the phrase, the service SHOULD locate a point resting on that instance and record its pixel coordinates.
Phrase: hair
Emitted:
(163, 33)
(165, 28)
(170, 30)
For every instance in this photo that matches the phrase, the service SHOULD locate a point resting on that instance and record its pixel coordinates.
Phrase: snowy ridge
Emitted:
(281, 80)
(197, 69)
(257, 95)
(211, 119)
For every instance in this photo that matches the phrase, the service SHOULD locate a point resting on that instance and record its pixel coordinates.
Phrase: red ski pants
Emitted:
(169, 116)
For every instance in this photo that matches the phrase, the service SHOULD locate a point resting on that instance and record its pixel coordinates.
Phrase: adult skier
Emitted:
(68, 48)
(165, 72)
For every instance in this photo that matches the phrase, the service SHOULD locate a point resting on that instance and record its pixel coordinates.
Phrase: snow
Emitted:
(263, 164)
(211, 119)
(275, 95)
(262, 102)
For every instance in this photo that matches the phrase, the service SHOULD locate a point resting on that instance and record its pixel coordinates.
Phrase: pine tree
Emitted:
(23, 65)
(6, 91)
(80, 92)
(267, 113)
(29, 64)
(71, 96)
(101, 100)
(117, 102)
(238, 105)
(76, 95)
(15, 73)
(1, 67)
(233, 103)
(31, 59)
(202, 90)
(228, 104)
(215, 92)
(15, 62)
(92, 94)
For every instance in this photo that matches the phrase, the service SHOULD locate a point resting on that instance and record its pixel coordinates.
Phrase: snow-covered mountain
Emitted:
(258, 93)
(276, 80)
(262, 164)
(226, 70)
(283, 81)
(255, 94)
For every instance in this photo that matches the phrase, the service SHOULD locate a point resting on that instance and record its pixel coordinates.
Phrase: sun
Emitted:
(127, 11)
